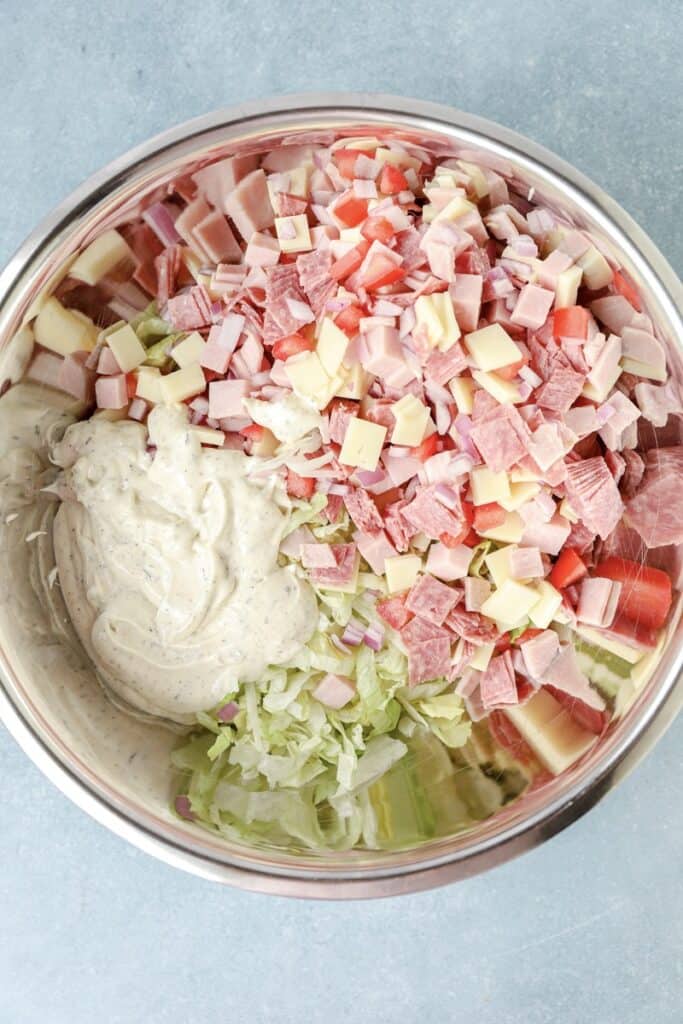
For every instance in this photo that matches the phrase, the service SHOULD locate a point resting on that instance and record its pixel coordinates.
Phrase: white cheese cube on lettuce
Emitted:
(127, 349)
(401, 572)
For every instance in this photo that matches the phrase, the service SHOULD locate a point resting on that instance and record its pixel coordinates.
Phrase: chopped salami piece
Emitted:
(593, 495)
(395, 526)
(561, 390)
(498, 684)
(282, 283)
(502, 437)
(315, 280)
(332, 510)
(429, 660)
(655, 511)
(472, 626)
(363, 511)
(394, 612)
(190, 310)
(340, 413)
(633, 472)
(318, 556)
(425, 513)
(418, 631)
(345, 557)
(430, 599)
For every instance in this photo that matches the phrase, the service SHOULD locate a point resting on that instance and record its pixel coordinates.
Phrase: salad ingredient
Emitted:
(644, 594)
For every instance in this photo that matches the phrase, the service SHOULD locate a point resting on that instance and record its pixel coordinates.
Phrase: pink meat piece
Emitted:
(634, 470)
(345, 557)
(655, 511)
(426, 513)
(564, 674)
(193, 214)
(668, 436)
(400, 469)
(562, 388)
(427, 661)
(546, 446)
(315, 281)
(593, 494)
(363, 511)
(215, 236)
(75, 378)
(374, 548)
(598, 601)
(419, 631)
(262, 250)
(45, 369)
(643, 346)
(396, 527)
(408, 247)
(443, 366)
(394, 612)
(582, 420)
(332, 510)
(466, 294)
(526, 563)
(581, 538)
(502, 437)
(282, 283)
(383, 353)
(448, 564)
(167, 265)
(340, 416)
(551, 267)
(317, 556)
(472, 626)
(614, 311)
(248, 205)
(226, 398)
(289, 205)
(251, 356)
(334, 691)
(498, 684)
(476, 592)
(216, 182)
(532, 306)
(657, 402)
(430, 599)
(615, 464)
(539, 652)
(623, 415)
(548, 537)
(107, 364)
(111, 392)
(186, 312)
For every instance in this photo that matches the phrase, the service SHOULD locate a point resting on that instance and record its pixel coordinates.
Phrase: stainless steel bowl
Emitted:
(128, 795)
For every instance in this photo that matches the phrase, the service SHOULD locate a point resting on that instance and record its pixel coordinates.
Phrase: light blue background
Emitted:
(587, 928)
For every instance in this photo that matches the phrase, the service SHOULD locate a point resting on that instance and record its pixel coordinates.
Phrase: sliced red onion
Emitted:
(158, 217)
(367, 477)
(374, 636)
(228, 712)
(353, 633)
(364, 188)
(525, 246)
(408, 321)
(442, 418)
(530, 377)
(385, 307)
(411, 489)
(184, 808)
(339, 644)
(436, 393)
(445, 495)
(367, 168)
(322, 214)
(463, 424)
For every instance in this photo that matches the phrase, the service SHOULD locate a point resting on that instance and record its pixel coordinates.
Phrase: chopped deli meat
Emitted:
(457, 395)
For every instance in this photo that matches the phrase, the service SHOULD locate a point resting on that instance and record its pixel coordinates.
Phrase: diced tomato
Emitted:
(524, 688)
(454, 540)
(425, 449)
(568, 569)
(645, 597)
(510, 371)
(508, 737)
(502, 644)
(634, 632)
(471, 538)
(299, 486)
(146, 276)
(381, 272)
(378, 229)
(394, 611)
(350, 210)
(210, 375)
(387, 498)
(583, 714)
(625, 288)
(132, 384)
(345, 161)
(392, 180)
(528, 634)
(349, 319)
(571, 322)
(487, 516)
(349, 264)
(254, 432)
(292, 345)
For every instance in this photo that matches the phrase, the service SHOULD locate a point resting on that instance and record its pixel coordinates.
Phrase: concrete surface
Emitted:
(587, 928)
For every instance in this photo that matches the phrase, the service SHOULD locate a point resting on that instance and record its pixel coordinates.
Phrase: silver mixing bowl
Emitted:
(41, 694)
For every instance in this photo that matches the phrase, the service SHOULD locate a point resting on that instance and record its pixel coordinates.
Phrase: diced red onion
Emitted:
(366, 167)
(137, 410)
(228, 712)
(337, 305)
(442, 418)
(339, 644)
(364, 188)
(340, 489)
(200, 404)
(530, 377)
(367, 477)
(374, 636)
(286, 229)
(540, 221)
(184, 808)
(159, 219)
(301, 311)
(445, 495)
(353, 633)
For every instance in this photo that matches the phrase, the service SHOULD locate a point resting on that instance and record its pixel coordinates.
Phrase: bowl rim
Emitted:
(174, 845)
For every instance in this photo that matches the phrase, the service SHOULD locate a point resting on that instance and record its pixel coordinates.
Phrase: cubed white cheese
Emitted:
(62, 331)
(477, 177)
(545, 609)
(488, 486)
(597, 272)
(520, 493)
(401, 572)
(550, 731)
(101, 256)
(182, 384)
(435, 313)
(205, 435)
(355, 382)
(567, 287)
(482, 657)
(492, 347)
(498, 564)
(457, 207)
(308, 378)
(510, 531)
(411, 421)
(293, 234)
(189, 350)
(332, 346)
(510, 602)
(149, 384)
(639, 369)
(462, 389)
(127, 349)
(400, 159)
(505, 392)
(362, 443)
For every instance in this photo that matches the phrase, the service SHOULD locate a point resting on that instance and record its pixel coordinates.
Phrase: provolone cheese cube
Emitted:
(308, 378)
(101, 256)
(399, 158)
(509, 603)
(127, 349)
(293, 234)
(437, 315)
(189, 350)
(498, 564)
(510, 531)
(492, 347)
(481, 657)
(352, 235)
(462, 389)
(622, 650)
(523, 476)
(457, 207)
(520, 493)
(488, 486)
(505, 392)
(176, 387)
(545, 609)
(411, 421)
(149, 384)
(401, 572)
(206, 435)
(639, 369)
(597, 272)
(567, 287)
(550, 731)
(356, 382)
(62, 331)
(362, 443)
(477, 177)
(332, 346)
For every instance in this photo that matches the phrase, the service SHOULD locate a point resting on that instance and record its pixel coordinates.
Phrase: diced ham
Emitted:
(111, 392)
(448, 563)
(598, 600)
(186, 222)
(217, 181)
(472, 626)
(655, 511)
(593, 494)
(429, 599)
(582, 420)
(539, 652)
(345, 557)
(560, 391)
(548, 537)
(107, 364)
(614, 311)
(624, 413)
(248, 205)
(262, 250)
(477, 591)
(426, 513)
(226, 398)
(335, 691)
(642, 346)
(526, 563)
(657, 402)
(532, 306)
(466, 293)
(216, 238)
(363, 511)
(75, 378)
(384, 356)
(564, 674)
(317, 556)
(498, 684)
(443, 366)
(374, 548)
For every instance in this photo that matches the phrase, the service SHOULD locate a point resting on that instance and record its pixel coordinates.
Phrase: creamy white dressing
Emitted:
(168, 565)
